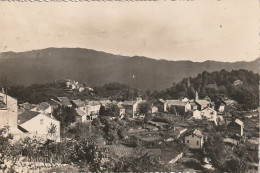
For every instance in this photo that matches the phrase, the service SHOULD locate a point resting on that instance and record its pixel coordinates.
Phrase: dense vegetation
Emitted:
(217, 85)
(38, 93)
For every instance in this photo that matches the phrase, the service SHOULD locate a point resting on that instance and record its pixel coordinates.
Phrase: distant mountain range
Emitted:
(97, 68)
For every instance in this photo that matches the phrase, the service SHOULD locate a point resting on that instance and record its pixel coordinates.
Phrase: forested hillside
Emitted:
(98, 68)
(38, 93)
(216, 85)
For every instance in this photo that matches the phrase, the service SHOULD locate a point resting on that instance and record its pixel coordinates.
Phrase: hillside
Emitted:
(97, 68)
(218, 85)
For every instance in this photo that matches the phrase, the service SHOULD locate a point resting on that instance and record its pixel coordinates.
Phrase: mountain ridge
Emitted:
(97, 68)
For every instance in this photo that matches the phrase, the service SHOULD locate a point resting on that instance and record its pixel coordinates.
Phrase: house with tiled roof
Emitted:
(160, 103)
(26, 106)
(178, 103)
(210, 114)
(105, 103)
(202, 104)
(131, 107)
(92, 107)
(194, 139)
(43, 107)
(39, 125)
(235, 128)
(64, 101)
(77, 103)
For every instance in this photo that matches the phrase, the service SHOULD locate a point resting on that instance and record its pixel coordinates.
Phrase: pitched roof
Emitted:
(80, 112)
(197, 133)
(230, 102)
(120, 107)
(92, 103)
(27, 106)
(202, 102)
(208, 108)
(27, 115)
(114, 102)
(78, 103)
(176, 102)
(129, 103)
(64, 101)
(105, 102)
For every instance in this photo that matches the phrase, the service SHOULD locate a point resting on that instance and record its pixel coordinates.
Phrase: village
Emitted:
(182, 133)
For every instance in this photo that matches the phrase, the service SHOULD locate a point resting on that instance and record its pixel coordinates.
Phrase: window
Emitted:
(188, 141)
(41, 121)
(197, 142)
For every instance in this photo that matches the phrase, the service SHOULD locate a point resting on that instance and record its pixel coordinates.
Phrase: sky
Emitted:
(198, 30)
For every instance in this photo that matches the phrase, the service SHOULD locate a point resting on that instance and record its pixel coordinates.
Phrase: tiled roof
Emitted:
(120, 107)
(197, 133)
(105, 102)
(128, 102)
(80, 112)
(208, 108)
(230, 102)
(27, 115)
(176, 102)
(92, 103)
(27, 106)
(78, 103)
(202, 102)
(114, 102)
(64, 101)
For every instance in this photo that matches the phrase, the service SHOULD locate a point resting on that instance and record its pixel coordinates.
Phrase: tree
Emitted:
(144, 108)
(191, 92)
(52, 130)
(113, 110)
(102, 111)
(122, 132)
(65, 115)
(172, 110)
(215, 149)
